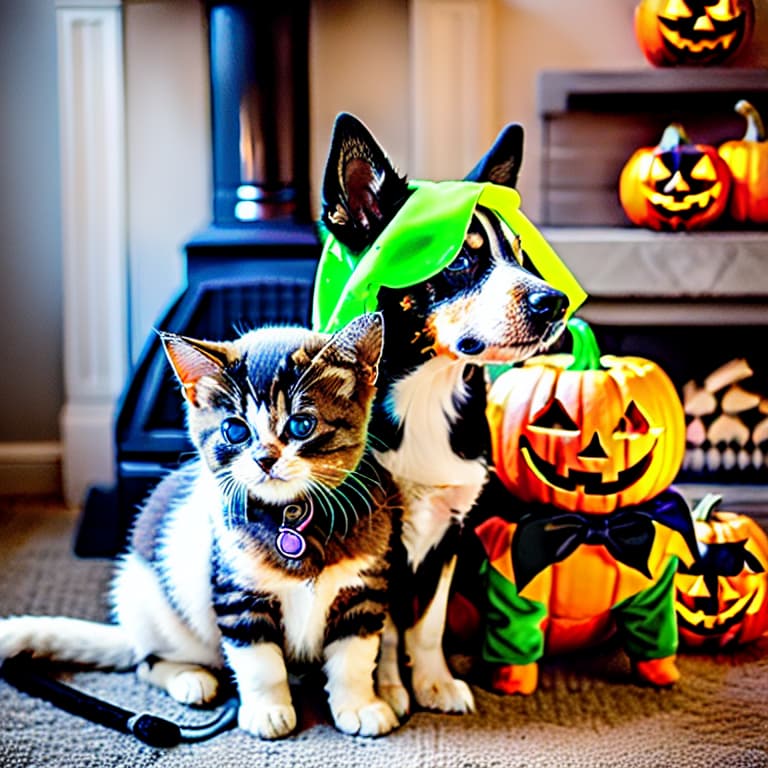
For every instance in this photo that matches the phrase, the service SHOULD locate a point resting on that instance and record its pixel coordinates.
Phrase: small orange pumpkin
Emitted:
(722, 599)
(747, 159)
(676, 184)
(585, 432)
(693, 32)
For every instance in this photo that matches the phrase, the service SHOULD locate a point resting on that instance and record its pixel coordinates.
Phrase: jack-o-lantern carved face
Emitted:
(722, 599)
(676, 185)
(583, 436)
(693, 32)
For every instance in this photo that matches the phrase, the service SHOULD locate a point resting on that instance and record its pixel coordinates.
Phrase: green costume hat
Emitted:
(425, 235)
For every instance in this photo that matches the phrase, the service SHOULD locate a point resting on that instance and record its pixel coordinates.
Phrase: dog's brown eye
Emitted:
(474, 240)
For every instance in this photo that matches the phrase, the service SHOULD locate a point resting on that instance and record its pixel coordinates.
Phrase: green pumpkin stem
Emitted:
(706, 506)
(673, 137)
(586, 353)
(755, 129)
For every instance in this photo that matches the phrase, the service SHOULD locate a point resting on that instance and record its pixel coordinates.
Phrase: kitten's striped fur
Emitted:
(213, 577)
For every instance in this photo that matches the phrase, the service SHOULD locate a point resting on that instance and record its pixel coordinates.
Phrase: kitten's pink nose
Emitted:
(265, 461)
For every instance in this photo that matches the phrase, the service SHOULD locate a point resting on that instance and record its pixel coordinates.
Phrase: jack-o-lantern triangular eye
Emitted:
(704, 170)
(677, 9)
(555, 417)
(632, 422)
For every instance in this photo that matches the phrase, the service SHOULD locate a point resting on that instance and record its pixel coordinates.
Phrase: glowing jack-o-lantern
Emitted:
(722, 599)
(676, 184)
(693, 32)
(585, 432)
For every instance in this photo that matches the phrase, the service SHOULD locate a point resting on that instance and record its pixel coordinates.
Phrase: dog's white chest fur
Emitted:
(437, 486)
(425, 403)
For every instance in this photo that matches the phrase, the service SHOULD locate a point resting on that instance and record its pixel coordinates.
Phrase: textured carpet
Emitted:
(587, 712)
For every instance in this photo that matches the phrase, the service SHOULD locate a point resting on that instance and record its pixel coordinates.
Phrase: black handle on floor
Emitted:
(27, 675)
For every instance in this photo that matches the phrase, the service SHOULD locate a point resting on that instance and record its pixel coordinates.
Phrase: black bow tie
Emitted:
(541, 540)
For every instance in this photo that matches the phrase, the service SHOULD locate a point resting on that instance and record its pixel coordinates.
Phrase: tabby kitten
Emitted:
(270, 548)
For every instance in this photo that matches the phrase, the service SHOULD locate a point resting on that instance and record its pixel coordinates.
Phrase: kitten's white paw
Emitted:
(397, 697)
(444, 695)
(187, 683)
(373, 719)
(193, 687)
(267, 721)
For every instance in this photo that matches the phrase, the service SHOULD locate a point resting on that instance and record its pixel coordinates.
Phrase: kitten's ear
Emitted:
(362, 190)
(501, 163)
(361, 341)
(192, 359)
(357, 346)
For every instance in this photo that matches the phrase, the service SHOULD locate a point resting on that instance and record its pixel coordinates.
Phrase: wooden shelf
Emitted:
(650, 89)
(593, 121)
(620, 263)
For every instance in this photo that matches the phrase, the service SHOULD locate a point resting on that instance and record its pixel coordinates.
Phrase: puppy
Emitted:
(446, 263)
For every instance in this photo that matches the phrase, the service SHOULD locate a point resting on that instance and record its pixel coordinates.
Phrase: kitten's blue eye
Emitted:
(301, 425)
(235, 431)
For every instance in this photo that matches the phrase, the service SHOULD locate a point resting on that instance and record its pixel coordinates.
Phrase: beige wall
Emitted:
(564, 34)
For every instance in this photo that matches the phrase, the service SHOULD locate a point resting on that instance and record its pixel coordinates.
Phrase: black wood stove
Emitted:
(254, 265)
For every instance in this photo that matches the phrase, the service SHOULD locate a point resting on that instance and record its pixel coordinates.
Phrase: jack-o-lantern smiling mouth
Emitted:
(591, 482)
(720, 36)
(702, 621)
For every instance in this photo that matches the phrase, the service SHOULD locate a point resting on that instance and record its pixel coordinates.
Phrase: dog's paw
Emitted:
(397, 697)
(372, 719)
(267, 721)
(444, 695)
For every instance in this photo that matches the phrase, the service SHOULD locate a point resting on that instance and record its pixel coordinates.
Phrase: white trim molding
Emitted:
(453, 76)
(91, 104)
(32, 468)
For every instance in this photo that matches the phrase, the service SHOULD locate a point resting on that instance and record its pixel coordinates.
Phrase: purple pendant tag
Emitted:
(296, 517)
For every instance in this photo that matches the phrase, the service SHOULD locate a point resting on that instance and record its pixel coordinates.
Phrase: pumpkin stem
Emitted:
(755, 129)
(706, 506)
(586, 354)
(674, 136)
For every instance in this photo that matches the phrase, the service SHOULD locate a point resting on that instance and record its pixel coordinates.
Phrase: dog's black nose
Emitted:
(548, 305)
(469, 345)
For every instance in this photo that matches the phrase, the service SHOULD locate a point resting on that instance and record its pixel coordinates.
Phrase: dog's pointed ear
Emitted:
(362, 190)
(501, 163)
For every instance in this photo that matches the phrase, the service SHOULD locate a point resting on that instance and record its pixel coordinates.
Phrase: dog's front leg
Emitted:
(389, 683)
(433, 684)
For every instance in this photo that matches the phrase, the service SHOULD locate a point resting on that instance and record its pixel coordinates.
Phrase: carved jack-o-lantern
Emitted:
(722, 599)
(585, 432)
(675, 185)
(693, 32)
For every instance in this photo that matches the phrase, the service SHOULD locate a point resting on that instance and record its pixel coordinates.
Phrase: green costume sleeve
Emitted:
(647, 620)
(513, 631)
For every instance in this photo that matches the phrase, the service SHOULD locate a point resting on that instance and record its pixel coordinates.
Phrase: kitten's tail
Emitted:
(59, 638)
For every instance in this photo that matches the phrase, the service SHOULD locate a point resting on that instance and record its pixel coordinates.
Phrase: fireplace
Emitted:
(254, 264)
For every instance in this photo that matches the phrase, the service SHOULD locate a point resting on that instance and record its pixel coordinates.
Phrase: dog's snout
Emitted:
(469, 345)
(548, 305)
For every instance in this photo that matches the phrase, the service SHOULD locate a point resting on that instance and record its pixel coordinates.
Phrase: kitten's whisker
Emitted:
(325, 497)
(356, 485)
(376, 442)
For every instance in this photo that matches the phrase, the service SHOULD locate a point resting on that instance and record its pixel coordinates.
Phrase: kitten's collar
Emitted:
(296, 517)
